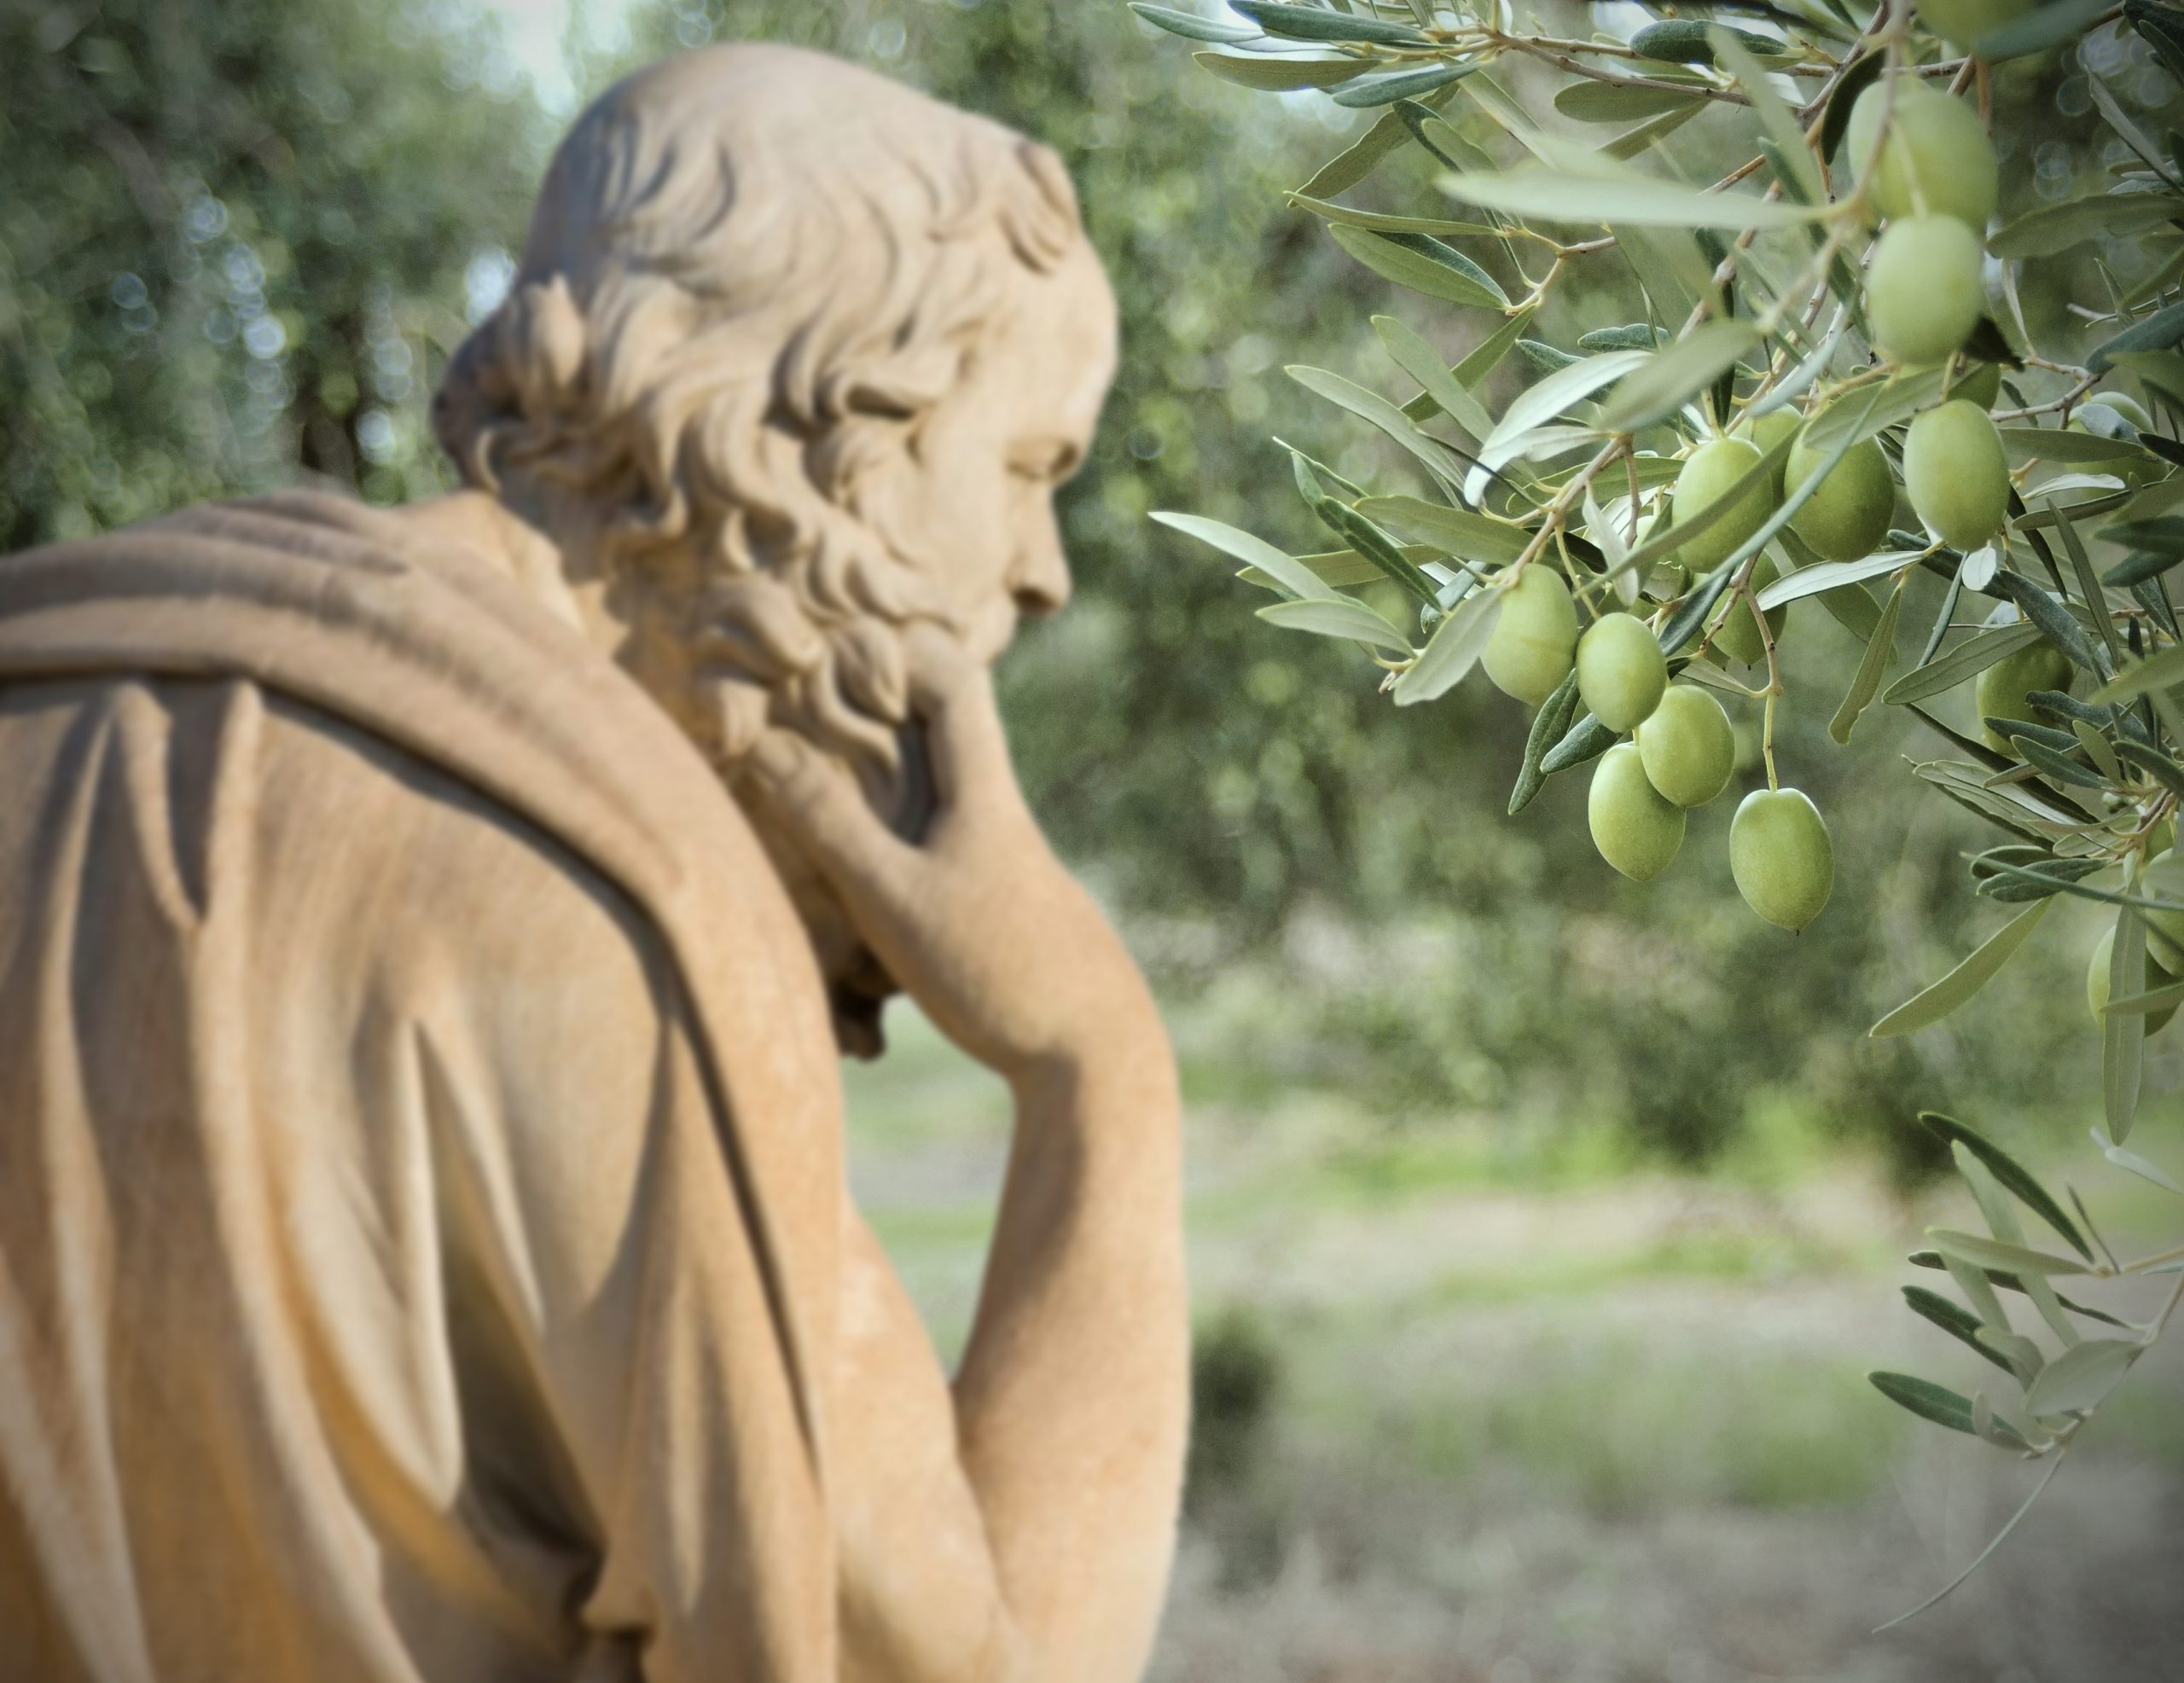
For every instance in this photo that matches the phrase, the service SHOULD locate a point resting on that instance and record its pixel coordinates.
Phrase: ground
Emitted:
(1463, 1422)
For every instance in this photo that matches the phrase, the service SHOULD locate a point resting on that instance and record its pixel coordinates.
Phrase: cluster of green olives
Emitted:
(1929, 173)
(1680, 755)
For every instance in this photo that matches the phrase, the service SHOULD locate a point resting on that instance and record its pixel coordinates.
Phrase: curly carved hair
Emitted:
(751, 272)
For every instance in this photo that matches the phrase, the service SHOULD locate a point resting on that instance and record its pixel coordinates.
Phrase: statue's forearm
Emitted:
(1073, 1399)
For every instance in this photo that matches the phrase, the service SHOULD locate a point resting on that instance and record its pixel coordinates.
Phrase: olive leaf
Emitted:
(1930, 1005)
(1452, 650)
(2011, 1175)
(1676, 373)
(1626, 200)
(1995, 1253)
(1548, 725)
(1194, 25)
(1423, 263)
(1367, 92)
(1281, 75)
(1926, 1399)
(1292, 575)
(1880, 650)
(1340, 617)
(1970, 658)
(1314, 23)
(1953, 1319)
(2081, 1377)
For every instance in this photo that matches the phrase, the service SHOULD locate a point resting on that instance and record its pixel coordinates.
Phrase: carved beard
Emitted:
(829, 695)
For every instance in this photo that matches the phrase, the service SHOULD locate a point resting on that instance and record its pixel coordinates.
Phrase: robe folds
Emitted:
(420, 1170)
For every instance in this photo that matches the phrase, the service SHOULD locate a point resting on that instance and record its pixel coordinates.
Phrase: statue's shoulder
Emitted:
(337, 609)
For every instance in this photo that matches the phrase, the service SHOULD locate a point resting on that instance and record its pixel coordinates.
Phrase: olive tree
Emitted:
(1834, 398)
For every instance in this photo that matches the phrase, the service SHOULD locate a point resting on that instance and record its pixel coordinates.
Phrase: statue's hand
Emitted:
(981, 924)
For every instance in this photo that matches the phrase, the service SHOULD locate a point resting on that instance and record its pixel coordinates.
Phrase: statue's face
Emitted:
(974, 494)
(971, 499)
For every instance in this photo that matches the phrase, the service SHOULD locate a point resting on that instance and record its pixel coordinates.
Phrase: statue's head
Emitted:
(792, 365)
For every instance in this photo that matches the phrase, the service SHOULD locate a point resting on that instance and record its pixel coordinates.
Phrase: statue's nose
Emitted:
(1040, 581)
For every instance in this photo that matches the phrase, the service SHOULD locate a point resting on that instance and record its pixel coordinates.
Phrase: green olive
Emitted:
(1924, 290)
(1780, 856)
(2001, 691)
(1687, 747)
(1709, 474)
(1955, 471)
(1536, 637)
(1620, 671)
(1961, 22)
(1768, 431)
(1736, 636)
(1848, 514)
(2097, 982)
(1938, 159)
(1636, 829)
(2164, 879)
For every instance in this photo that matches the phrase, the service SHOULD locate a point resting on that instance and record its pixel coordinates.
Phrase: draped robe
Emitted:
(420, 1159)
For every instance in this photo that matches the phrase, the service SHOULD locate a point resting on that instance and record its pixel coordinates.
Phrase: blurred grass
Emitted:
(1456, 1339)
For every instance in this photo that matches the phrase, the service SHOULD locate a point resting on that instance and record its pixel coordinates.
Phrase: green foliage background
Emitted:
(237, 241)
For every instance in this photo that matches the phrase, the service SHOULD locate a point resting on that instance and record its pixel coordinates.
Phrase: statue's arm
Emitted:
(1027, 1513)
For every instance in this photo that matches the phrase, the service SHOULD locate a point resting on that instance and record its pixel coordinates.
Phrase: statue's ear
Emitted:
(543, 342)
(905, 386)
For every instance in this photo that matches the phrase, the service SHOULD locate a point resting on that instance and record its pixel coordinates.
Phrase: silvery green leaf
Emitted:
(1477, 538)
(1535, 190)
(1616, 101)
(1967, 659)
(1926, 1399)
(1734, 53)
(1930, 1007)
(2135, 1165)
(1536, 404)
(2118, 214)
(2160, 672)
(2035, 30)
(2008, 1174)
(1371, 407)
(1880, 650)
(1901, 397)
(1992, 1426)
(1677, 372)
(2022, 443)
(1317, 23)
(1193, 26)
(1953, 1319)
(1423, 363)
(1989, 1253)
(1292, 575)
(1369, 92)
(2122, 1033)
(1831, 576)
(1280, 75)
(1452, 650)
(1441, 228)
(1422, 263)
(2081, 1377)
(1342, 616)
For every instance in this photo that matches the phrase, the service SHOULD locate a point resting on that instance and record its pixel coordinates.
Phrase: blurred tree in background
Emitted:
(237, 241)
(231, 236)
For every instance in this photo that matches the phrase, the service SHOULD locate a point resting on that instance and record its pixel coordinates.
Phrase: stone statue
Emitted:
(426, 936)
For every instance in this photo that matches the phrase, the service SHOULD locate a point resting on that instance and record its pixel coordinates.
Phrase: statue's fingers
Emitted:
(817, 806)
(972, 775)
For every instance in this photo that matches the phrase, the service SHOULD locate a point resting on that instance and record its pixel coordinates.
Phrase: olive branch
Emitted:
(1634, 525)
